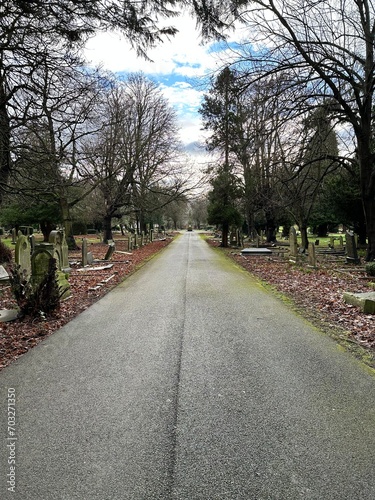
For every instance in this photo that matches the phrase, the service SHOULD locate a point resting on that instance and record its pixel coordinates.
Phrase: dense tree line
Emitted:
(69, 134)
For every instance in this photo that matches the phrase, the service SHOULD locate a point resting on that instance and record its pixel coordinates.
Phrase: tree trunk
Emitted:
(224, 235)
(304, 238)
(67, 224)
(4, 142)
(107, 228)
(46, 227)
(369, 209)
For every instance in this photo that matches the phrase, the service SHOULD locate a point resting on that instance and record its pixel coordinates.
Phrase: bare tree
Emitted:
(135, 154)
(327, 47)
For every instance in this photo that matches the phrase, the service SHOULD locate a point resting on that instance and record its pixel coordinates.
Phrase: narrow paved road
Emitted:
(189, 381)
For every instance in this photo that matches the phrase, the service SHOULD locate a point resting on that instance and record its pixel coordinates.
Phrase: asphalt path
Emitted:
(188, 381)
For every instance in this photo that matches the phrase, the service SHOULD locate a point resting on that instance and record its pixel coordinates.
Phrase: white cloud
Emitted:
(176, 64)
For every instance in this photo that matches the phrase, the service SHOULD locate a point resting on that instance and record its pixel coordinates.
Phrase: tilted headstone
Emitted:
(110, 251)
(351, 248)
(293, 247)
(23, 254)
(311, 258)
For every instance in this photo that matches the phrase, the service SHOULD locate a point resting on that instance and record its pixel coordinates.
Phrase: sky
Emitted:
(178, 66)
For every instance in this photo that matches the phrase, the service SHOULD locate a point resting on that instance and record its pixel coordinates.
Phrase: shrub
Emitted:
(5, 253)
(79, 228)
(370, 269)
(39, 299)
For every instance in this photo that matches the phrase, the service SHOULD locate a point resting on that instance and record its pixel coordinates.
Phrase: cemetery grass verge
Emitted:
(317, 297)
(19, 336)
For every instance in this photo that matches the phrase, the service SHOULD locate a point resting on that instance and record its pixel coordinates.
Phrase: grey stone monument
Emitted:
(311, 258)
(23, 254)
(351, 248)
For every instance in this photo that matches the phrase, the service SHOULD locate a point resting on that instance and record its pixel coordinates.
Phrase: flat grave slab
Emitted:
(256, 251)
(365, 301)
(8, 315)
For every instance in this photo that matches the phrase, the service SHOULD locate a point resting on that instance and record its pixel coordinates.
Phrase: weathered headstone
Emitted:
(14, 236)
(311, 258)
(40, 264)
(129, 242)
(40, 261)
(351, 248)
(22, 254)
(293, 247)
(84, 252)
(65, 254)
(90, 258)
(110, 251)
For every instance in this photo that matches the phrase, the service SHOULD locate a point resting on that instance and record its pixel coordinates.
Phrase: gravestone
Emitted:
(32, 242)
(61, 251)
(293, 247)
(40, 264)
(90, 258)
(110, 251)
(40, 261)
(151, 235)
(65, 254)
(23, 254)
(84, 252)
(130, 246)
(351, 249)
(341, 242)
(311, 258)
(14, 236)
(142, 239)
(135, 241)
